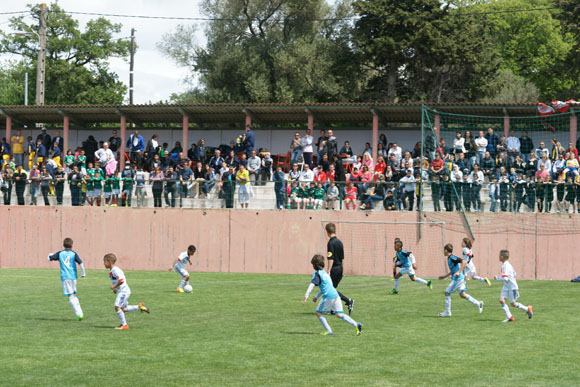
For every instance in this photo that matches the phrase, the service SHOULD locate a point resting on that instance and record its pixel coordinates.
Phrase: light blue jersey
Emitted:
(403, 258)
(454, 263)
(68, 260)
(321, 279)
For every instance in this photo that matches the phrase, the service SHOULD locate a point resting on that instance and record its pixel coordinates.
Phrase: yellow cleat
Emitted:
(179, 290)
(143, 308)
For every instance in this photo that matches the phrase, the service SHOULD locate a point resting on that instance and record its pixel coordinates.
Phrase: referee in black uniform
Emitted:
(336, 256)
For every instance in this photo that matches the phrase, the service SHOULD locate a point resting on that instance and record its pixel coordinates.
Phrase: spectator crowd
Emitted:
(319, 173)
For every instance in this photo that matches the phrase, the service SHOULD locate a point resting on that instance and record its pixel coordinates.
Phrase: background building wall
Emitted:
(541, 246)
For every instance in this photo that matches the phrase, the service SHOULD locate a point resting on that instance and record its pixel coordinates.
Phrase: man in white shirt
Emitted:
(410, 185)
(397, 151)
(307, 149)
(307, 175)
(542, 150)
(254, 165)
(481, 143)
(104, 156)
(513, 145)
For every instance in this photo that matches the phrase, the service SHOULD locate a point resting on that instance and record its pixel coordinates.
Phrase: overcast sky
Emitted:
(156, 77)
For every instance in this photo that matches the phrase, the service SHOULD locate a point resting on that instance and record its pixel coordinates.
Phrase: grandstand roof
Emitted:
(261, 112)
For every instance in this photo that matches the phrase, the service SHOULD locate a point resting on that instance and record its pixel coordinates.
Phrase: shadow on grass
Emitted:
(298, 333)
(53, 319)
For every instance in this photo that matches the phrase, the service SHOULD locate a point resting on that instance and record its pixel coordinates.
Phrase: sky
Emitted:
(156, 77)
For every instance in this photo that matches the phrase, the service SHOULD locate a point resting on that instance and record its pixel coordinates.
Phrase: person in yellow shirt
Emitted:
(18, 147)
(243, 179)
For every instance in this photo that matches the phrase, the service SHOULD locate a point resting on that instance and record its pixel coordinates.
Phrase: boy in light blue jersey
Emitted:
(456, 266)
(68, 260)
(330, 301)
(405, 261)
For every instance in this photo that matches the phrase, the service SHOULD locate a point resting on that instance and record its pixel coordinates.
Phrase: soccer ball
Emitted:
(188, 288)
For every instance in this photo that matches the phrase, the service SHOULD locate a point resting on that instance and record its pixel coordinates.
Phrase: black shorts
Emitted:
(336, 275)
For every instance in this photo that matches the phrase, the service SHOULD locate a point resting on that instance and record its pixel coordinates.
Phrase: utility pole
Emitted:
(26, 88)
(131, 65)
(41, 61)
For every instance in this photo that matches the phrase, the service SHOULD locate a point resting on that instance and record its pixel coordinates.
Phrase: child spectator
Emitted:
(331, 195)
(351, 194)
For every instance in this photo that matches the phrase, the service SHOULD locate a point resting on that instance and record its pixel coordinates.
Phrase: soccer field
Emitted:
(244, 329)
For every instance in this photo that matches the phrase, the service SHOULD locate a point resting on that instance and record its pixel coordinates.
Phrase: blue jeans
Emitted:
(369, 201)
(279, 198)
(208, 187)
(295, 158)
(493, 201)
(526, 157)
(480, 156)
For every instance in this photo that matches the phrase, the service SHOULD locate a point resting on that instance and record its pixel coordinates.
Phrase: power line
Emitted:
(352, 18)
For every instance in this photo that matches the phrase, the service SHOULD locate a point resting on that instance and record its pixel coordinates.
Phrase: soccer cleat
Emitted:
(394, 291)
(445, 314)
(429, 285)
(487, 281)
(143, 308)
(480, 306)
(511, 319)
(80, 317)
(530, 312)
(359, 329)
(179, 290)
(350, 306)
(122, 327)
(326, 333)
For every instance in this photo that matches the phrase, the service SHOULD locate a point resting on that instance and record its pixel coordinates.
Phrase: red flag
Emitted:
(560, 106)
(572, 102)
(544, 109)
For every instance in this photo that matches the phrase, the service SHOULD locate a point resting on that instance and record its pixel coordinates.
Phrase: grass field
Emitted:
(243, 329)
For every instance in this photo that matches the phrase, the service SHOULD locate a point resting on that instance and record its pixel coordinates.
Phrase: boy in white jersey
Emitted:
(122, 290)
(456, 266)
(179, 266)
(68, 260)
(510, 288)
(330, 301)
(468, 259)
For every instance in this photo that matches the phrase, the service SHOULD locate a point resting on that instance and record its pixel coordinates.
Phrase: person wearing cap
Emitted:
(44, 137)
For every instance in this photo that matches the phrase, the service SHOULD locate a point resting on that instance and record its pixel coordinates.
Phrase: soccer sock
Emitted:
(506, 309)
(325, 324)
(182, 284)
(448, 304)
(521, 306)
(76, 305)
(397, 284)
(187, 282)
(478, 278)
(472, 300)
(132, 308)
(349, 320)
(121, 315)
(421, 280)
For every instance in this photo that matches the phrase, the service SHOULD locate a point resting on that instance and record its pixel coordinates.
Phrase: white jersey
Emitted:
(507, 271)
(467, 254)
(182, 260)
(116, 275)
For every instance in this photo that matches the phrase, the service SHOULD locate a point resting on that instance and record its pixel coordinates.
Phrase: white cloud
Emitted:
(156, 77)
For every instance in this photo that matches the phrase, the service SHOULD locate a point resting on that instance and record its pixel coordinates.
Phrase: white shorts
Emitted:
(69, 287)
(107, 195)
(330, 305)
(116, 191)
(297, 200)
(469, 269)
(407, 270)
(456, 286)
(122, 299)
(181, 270)
(510, 294)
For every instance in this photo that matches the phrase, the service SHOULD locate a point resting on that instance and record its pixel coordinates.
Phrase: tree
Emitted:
(569, 15)
(531, 43)
(77, 70)
(507, 87)
(267, 51)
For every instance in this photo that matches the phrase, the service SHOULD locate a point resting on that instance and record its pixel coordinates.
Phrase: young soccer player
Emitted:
(68, 260)
(335, 252)
(179, 266)
(468, 259)
(405, 261)
(510, 288)
(456, 266)
(330, 301)
(121, 289)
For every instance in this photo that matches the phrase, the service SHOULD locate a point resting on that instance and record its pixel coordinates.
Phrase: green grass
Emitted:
(242, 329)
